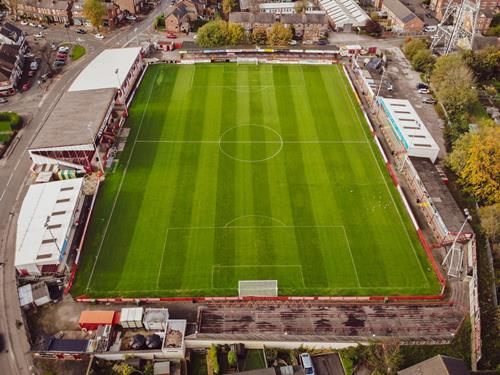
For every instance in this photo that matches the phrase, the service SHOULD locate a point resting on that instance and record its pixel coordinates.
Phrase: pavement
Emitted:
(36, 105)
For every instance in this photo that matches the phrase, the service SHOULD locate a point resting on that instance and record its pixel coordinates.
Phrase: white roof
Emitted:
(131, 314)
(344, 12)
(25, 295)
(100, 73)
(409, 128)
(155, 315)
(53, 200)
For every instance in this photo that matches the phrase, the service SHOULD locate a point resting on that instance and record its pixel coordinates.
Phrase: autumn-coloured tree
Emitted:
(259, 35)
(490, 221)
(279, 35)
(476, 161)
(94, 11)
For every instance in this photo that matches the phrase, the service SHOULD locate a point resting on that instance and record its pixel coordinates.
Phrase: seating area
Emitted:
(320, 321)
(343, 12)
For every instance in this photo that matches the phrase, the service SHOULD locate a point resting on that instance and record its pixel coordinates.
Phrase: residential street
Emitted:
(36, 105)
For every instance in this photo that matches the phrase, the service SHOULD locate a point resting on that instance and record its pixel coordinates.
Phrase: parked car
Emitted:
(430, 29)
(24, 23)
(171, 35)
(58, 63)
(34, 65)
(429, 101)
(26, 86)
(306, 362)
(53, 46)
(61, 56)
(3, 100)
(388, 85)
(29, 55)
(99, 36)
(41, 26)
(31, 73)
(38, 35)
(421, 85)
(424, 91)
(131, 17)
(63, 49)
(32, 24)
(81, 31)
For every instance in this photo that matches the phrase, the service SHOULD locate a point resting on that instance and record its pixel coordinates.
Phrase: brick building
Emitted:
(400, 17)
(11, 67)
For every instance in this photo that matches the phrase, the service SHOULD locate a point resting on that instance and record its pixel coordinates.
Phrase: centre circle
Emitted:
(250, 143)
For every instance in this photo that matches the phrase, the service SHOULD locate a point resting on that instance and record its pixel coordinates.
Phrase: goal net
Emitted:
(258, 288)
(247, 60)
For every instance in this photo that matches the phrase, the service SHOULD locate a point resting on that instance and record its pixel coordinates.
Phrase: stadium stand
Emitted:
(328, 321)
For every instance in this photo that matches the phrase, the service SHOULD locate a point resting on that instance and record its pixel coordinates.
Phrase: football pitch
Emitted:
(249, 172)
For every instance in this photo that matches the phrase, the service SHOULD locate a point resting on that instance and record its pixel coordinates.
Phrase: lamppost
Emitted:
(61, 254)
(95, 147)
(378, 90)
(468, 217)
(409, 147)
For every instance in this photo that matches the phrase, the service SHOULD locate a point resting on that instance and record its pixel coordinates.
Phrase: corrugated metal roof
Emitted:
(100, 73)
(344, 12)
(96, 317)
(51, 203)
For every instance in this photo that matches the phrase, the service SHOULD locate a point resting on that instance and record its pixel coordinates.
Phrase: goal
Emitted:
(247, 60)
(258, 288)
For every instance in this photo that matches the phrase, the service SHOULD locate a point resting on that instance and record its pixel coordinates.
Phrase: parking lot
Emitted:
(403, 83)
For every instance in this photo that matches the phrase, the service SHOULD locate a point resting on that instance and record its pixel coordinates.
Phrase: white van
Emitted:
(430, 29)
(307, 364)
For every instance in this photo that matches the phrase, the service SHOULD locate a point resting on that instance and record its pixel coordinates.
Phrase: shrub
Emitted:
(231, 357)
(212, 357)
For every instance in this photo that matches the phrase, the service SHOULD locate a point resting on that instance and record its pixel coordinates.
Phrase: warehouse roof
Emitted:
(101, 72)
(76, 111)
(344, 12)
(44, 221)
(409, 128)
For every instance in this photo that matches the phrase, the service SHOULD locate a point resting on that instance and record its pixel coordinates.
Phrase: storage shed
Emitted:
(155, 319)
(90, 320)
(131, 317)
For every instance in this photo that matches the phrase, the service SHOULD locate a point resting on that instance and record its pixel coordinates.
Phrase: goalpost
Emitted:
(258, 288)
(247, 60)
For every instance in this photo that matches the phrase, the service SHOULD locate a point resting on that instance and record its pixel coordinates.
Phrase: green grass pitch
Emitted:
(250, 172)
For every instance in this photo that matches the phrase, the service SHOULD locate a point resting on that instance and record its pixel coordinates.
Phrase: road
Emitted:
(14, 171)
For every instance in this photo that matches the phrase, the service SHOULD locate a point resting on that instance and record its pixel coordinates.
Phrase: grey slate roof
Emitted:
(438, 365)
(400, 10)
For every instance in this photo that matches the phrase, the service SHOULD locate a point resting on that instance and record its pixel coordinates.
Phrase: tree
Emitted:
(213, 34)
(228, 6)
(476, 161)
(94, 11)
(373, 28)
(412, 46)
(259, 35)
(231, 358)
(123, 368)
(485, 63)
(490, 221)
(300, 6)
(423, 61)
(212, 357)
(236, 33)
(385, 358)
(279, 35)
(374, 16)
(13, 6)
